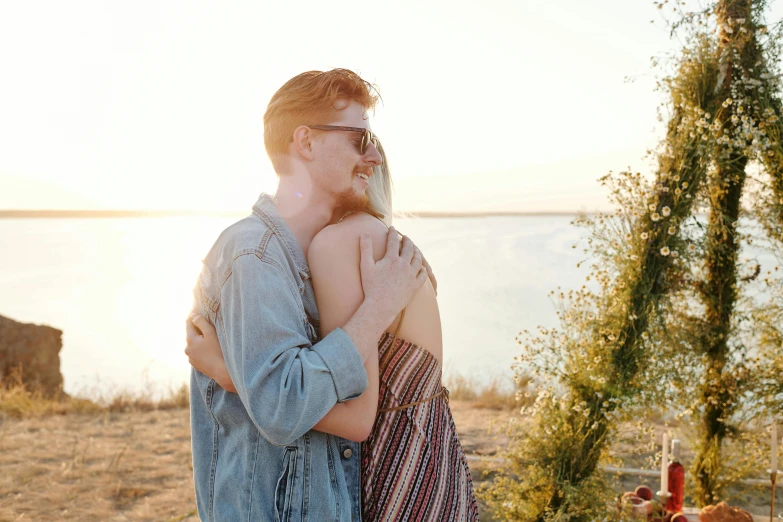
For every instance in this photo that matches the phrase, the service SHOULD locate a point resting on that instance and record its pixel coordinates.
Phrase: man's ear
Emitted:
(303, 142)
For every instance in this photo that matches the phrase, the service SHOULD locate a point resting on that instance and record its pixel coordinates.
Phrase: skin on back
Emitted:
(334, 258)
(422, 324)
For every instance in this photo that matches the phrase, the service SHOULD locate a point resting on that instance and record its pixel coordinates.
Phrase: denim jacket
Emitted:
(255, 455)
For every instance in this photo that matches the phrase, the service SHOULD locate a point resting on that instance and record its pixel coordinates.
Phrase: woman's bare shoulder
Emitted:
(361, 223)
(346, 233)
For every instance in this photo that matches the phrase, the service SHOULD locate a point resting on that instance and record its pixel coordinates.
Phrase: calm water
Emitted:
(121, 288)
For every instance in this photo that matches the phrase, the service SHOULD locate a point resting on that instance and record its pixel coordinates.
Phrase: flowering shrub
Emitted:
(656, 322)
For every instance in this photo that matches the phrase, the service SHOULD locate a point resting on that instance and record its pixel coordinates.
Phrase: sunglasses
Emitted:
(367, 135)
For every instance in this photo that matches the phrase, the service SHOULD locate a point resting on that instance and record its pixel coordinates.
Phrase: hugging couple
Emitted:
(317, 394)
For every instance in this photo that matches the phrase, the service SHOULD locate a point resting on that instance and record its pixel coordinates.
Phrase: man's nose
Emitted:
(372, 156)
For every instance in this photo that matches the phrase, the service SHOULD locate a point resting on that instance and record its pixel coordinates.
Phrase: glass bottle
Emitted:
(676, 480)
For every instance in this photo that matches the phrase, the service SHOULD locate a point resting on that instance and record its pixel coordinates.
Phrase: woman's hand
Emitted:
(204, 352)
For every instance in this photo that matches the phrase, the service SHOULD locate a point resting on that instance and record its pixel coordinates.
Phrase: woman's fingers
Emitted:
(197, 328)
(191, 331)
(204, 325)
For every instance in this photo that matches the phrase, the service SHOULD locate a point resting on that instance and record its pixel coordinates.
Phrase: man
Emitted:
(255, 455)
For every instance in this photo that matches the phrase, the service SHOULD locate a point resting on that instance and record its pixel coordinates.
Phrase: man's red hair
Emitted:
(309, 99)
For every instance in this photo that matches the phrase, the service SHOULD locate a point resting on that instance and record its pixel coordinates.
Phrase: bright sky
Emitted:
(492, 105)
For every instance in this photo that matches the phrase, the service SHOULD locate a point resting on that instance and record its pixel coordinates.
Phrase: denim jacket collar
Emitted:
(266, 209)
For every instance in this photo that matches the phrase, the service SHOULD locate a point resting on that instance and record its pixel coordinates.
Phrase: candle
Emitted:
(774, 460)
(665, 467)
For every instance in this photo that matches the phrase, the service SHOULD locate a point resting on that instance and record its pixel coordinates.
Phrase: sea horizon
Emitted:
(119, 213)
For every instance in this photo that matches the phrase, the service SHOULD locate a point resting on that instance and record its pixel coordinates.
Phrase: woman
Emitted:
(413, 466)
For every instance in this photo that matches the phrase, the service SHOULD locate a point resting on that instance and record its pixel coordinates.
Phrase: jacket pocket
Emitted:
(285, 486)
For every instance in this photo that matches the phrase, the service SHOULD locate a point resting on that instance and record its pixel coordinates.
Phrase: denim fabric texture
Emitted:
(255, 455)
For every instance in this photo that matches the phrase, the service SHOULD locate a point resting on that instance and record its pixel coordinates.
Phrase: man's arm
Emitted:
(388, 286)
(285, 384)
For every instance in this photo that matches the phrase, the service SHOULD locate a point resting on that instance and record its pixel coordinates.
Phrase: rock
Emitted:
(33, 350)
(724, 513)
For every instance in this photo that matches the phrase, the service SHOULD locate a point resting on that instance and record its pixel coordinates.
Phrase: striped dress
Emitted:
(413, 466)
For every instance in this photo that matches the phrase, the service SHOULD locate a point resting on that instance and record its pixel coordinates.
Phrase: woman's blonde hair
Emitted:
(379, 193)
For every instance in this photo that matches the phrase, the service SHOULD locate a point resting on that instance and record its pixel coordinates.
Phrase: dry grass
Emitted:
(134, 465)
(126, 457)
(110, 457)
(18, 402)
(496, 393)
(97, 466)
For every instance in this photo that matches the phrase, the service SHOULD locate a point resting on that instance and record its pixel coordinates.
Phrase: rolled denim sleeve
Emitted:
(286, 383)
(348, 383)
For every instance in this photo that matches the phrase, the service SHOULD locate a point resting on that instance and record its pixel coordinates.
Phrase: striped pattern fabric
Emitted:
(413, 466)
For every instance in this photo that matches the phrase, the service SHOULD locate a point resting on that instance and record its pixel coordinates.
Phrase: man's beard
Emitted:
(350, 201)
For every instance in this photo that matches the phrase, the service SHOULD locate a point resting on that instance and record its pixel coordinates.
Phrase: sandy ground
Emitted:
(134, 466)
(137, 466)
(110, 467)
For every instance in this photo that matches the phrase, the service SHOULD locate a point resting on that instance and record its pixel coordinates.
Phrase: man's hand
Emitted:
(204, 353)
(430, 273)
(427, 267)
(390, 283)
